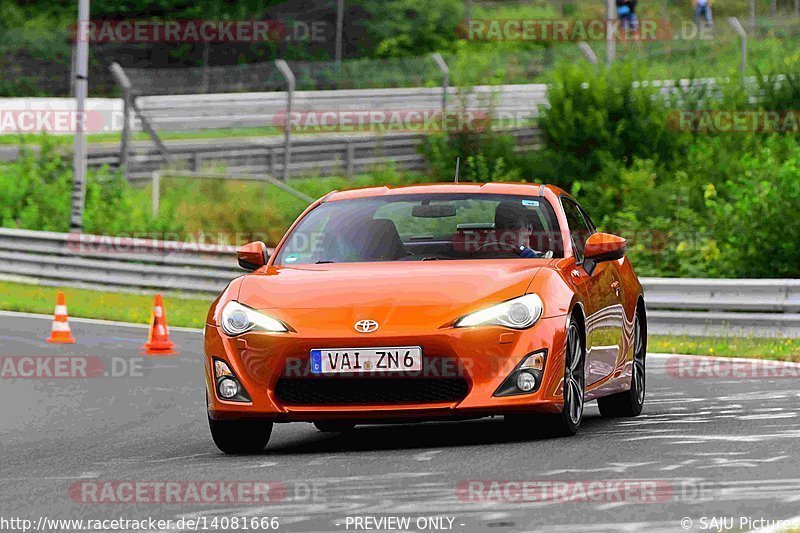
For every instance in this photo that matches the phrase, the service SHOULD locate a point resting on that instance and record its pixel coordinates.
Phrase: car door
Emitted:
(600, 292)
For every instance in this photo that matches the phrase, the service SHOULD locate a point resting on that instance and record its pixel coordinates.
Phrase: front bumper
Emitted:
(465, 365)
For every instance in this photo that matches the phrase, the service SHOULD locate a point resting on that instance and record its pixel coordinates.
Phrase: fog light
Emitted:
(228, 388)
(526, 382)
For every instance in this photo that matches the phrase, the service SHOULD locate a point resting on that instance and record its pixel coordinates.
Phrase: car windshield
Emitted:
(424, 227)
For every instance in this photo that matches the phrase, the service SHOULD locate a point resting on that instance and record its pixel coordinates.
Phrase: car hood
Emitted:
(424, 291)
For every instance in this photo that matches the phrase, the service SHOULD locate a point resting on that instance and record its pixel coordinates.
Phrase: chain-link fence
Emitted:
(40, 64)
(498, 68)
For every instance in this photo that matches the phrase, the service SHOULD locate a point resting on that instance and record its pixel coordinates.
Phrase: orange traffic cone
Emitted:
(60, 332)
(158, 337)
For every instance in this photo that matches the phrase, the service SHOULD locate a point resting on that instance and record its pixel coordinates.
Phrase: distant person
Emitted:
(626, 10)
(702, 13)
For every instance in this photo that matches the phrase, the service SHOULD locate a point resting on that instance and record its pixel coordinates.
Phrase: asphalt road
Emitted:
(712, 446)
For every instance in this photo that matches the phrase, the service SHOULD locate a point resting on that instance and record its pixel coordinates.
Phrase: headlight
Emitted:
(237, 319)
(519, 313)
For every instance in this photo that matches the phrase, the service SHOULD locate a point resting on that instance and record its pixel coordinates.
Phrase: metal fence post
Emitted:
(737, 27)
(79, 145)
(588, 53)
(437, 57)
(339, 30)
(611, 38)
(287, 127)
(72, 59)
(125, 84)
(126, 131)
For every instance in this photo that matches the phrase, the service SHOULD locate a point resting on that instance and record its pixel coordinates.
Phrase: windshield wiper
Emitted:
(324, 262)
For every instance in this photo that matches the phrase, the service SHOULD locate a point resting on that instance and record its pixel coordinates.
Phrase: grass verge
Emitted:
(778, 348)
(120, 306)
(191, 312)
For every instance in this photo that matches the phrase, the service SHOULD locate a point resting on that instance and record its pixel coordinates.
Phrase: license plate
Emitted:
(359, 360)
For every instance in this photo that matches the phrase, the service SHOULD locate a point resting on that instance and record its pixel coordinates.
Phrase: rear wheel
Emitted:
(567, 422)
(334, 426)
(630, 402)
(240, 436)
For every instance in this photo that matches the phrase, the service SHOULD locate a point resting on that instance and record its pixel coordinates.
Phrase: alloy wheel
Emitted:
(574, 377)
(639, 380)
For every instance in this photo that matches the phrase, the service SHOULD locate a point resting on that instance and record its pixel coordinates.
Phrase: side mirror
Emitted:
(602, 247)
(252, 255)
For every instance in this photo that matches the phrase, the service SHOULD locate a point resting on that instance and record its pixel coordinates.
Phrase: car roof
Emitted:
(522, 189)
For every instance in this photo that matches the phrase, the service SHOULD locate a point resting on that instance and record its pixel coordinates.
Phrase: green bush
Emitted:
(593, 119)
(484, 156)
(36, 192)
(691, 204)
(754, 213)
(411, 27)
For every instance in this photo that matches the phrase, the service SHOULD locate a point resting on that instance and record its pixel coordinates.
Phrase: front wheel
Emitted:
(567, 422)
(240, 436)
(630, 402)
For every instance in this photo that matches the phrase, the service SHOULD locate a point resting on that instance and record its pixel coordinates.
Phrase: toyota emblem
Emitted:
(366, 326)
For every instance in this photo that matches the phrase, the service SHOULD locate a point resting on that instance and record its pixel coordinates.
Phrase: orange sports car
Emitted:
(440, 301)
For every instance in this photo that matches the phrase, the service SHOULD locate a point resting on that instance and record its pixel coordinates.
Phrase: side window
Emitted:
(579, 227)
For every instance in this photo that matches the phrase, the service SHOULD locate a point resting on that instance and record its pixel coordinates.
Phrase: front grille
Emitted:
(354, 391)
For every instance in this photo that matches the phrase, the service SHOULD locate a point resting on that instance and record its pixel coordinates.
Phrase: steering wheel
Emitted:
(499, 244)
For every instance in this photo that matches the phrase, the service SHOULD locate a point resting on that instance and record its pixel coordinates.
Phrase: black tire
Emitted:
(334, 426)
(240, 436)
(630, 402)
(567, 422)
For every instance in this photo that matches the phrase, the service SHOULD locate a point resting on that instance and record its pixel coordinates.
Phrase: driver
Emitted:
(513, 227)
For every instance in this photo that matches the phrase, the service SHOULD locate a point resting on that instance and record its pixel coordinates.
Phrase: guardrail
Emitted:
(345, 154)
(239, 110)
(737, 307)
